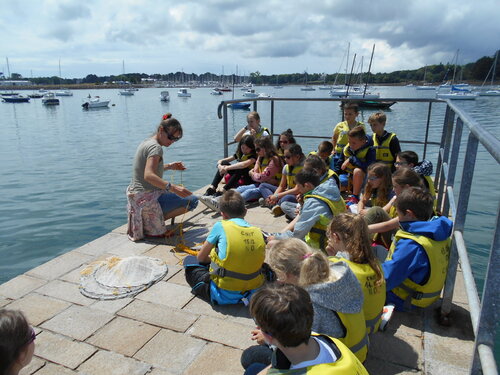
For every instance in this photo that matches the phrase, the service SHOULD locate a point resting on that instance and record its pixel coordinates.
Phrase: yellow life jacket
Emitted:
(393, 212)
(360, 154)
(438, 253)
(316, 237)
(331, 174)
(374, 296)
(429, 184)
(290, 173)
(382, 150)
(240, 271)
(343, 138)
(263, 164)
(261, 131)
(356, 338)
(245, 157)
(346, 363)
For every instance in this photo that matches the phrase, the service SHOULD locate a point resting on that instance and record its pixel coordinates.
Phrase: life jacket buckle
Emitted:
(418, 295)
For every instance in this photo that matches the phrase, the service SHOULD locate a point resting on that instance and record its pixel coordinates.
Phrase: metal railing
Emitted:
(484, 312)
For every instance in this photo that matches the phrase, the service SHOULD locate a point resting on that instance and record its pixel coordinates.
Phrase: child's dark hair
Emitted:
(232, 204)
(410, 157)
(267, 145)
(247, 140)
(417, 200)
(357, 132)
(407, 176)
(352, 106)
(285, 312)
(15, 333)
(288, 133)
(296, 150)
(315, 163)
(170, 124)
(325, 146)
(382, 171)
(307, 175)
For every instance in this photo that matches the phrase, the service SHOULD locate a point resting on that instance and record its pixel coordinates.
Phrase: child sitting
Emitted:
(340, 134)
(386, 144)
(324, 151)
(349, 241)
(284, 141)
(321, 203)
(245, 157)
(357, 156)
(417, 263)
(424, 168)
(284, 313)
(253, 127)
(17, 342)
(228, 267)
(378, 189)
(273, 196)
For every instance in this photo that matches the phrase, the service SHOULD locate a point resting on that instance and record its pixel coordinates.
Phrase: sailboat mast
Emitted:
(369, 69)
(455, 68)
(347, 64)
(350, 75)
(494, 68)
(8, 67)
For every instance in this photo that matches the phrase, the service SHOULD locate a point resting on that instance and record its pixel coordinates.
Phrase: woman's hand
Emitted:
(181, 191)
(176, 166)
(258, 336)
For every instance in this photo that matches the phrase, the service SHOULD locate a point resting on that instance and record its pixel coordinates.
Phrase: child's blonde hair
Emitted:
(379, 117)
(294, 257)
(353, 232)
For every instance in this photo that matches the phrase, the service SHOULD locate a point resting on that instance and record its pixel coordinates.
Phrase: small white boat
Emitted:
(354, 93)
(215, 92)
(164, 96)
(264, 95)
(307, 88)
(126, 92)
(324, 88)
(489, 93)
(425, 87)
(462, 95)
(50, 99)
(183, 93)
(278, 87)
(64, 93)
(94, 102)
(250, 93)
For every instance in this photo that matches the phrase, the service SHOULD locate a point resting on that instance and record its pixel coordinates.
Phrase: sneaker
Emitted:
(386, 316)
(352, 200)
(277, 211)
(210, 191)
(218, 193)
(262, 202)
(210, 202)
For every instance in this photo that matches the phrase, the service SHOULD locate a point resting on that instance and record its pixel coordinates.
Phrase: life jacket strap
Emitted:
(413, 294)
(360, 345)
(371, 323)
(222, 272)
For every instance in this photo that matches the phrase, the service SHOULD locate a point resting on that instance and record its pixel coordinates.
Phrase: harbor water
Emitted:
(64, 170)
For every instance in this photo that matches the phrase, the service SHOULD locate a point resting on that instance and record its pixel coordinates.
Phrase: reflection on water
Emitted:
(65, 170)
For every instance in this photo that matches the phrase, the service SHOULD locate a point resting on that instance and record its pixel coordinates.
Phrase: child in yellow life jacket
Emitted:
(349, 242)
(378, 189)
(228, 268)
(253, 128)
(357, 156)
(386, 144)
(324, 151)
(335, 293)
(416, 267)
(285, 140)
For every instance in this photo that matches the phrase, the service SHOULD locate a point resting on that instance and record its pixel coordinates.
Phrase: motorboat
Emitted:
(264, 95)
(50, 99)
(164, 96)
(183, 93)
(250, 93)
(307, 88)
(489, 93)
(386, 104)
(64, 93)
(223, 89)
(425, 87)
(126, 92)
(215, 92)
(324, 87)
(457, 94)
(36, 95)
(239, 105)
(17, 98)
(94, 102)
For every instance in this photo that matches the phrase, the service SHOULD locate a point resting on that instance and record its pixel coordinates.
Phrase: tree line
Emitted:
(476, 71)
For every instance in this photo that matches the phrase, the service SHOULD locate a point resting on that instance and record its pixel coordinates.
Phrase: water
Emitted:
(64, 170)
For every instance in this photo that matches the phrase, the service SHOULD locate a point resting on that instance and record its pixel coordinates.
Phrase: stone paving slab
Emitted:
(160, 371)
(164, 253)
(107, 363)
(222, 331)
(39, 308)
(35, 364)
(408, 353)
(78, 322)
(376, 366)
(4, 301)
(20, 286)
(216, 359)
(62, 350)
(112, 306)
(158, 315)
(167, 294)
(52, 369)
(65, 291)
(59, 266)
(123, 336)
(171, 350)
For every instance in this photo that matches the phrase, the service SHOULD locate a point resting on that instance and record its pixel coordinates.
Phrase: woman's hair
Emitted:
(170, 124)
(353, 232)
(382, 171)
(296, 150)
(407, 176)
(293, 257)
(315, 163)
(267, 145)
(254, 115)
(247, 140)
(289, 136)
(15, 333)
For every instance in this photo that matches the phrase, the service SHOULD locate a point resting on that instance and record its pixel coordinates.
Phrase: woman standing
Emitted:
(151, 199)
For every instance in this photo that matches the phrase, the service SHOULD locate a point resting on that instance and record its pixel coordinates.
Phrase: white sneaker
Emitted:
(386, 316)
(210, 202)
(262, 202)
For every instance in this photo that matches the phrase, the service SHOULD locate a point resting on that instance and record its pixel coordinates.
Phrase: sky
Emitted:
(108, 37)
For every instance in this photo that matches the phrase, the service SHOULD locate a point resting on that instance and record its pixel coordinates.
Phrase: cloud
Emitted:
(72, 11)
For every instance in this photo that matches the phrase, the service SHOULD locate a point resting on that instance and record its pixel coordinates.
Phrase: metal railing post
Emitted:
(226, 133)
(452, 166)
(488, 320)
(459, 224)
(255, 105)
(272, 117)
(445, 151)
(427, 130)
